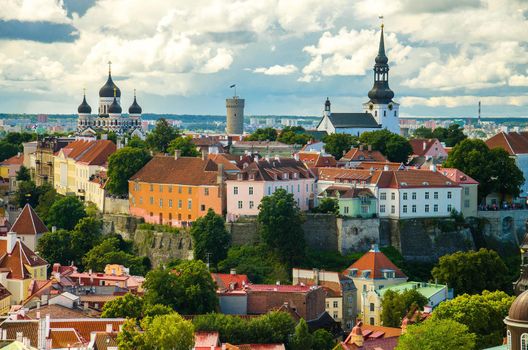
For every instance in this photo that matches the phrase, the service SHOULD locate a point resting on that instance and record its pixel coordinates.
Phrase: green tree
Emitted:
(338, 144)
(66, 212)
(302, 339)
(188, 289)
(508, 178)
(437, 335)
(209, 235)
(395, 147)
(129, 338)
(482, 314)
(159, 138)
(168, 332)
(56, 247)
(265, 134)
(7, 150)
(156, 310)
(110, 252)
(472, 272)
(122, 165)
(27, 192)
(86, 234)
(294, 135)
(257, 262)
(454, 135)
(185, 145)
(48, 196)
(396, 305)
(322, 340)
(136, 142)
(327, 205)
(423, 133)
(126, 306)
(23, 174)
(18, 138)
(280, 222)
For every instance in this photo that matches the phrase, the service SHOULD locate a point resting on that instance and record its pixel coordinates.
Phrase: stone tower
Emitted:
(235, 116)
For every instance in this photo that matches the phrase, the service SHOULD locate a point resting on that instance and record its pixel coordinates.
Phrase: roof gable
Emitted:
(372, 264)
(28, 223)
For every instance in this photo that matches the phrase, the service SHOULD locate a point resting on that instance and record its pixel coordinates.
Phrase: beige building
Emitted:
(469, 196)
(340, 300)
(39, 158)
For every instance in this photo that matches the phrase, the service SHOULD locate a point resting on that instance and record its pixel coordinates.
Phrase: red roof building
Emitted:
(29, 227)
(428, 148)
(316, 159)
(356, 155)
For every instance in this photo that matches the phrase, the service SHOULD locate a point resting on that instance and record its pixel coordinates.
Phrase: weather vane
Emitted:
(381, 18)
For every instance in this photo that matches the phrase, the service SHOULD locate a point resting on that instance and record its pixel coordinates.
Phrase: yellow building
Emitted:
(76, 166)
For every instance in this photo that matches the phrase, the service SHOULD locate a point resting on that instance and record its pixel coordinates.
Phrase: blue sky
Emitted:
(285, 56)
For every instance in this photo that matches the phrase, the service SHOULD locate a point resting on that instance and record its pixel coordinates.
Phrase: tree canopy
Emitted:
(327, 205)
(338, 144)
(396, 305)
(23, 174)
(163, 133)
(437, 335)
(472, 272)
(7, 150)
(493, 169)
(482, 314)
(294, 135)
(122, 164)
(128, 305)
(451, 135)
(280, 227)
(188, 288)
(185, 145)
(265, 134)
(66, 212)
(209, 235)
(395, 147)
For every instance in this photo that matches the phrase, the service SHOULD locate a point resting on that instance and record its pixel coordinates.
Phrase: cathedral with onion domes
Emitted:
(109, 117)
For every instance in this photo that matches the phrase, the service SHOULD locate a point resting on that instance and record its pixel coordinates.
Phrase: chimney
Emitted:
(220, 175)
(47, 325)
(108, 328)
(11, 241)
(53, 228)
(296, 156)
(432, 167)
(38, 315)
(177, 154)
(369, 147)
(233, 272)
(316, 276)
(4, 334)
(386, 167)
(424, 145)
(361, 147)
(19, 336)
(204, 154)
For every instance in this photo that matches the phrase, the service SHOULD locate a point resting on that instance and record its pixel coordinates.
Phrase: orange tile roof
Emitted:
(226, 280)
(373, 261)
(184, 170)
(14, 160)
(64, 338)
(222, 158)
(206, 339)
(380, 165)
(457, 176)
(418, 145)
(28, 223)
(316, 159)
(88, 325)
(15, 261)
(93, 152)
(356, 154)
(414, 178)
(28, 328)
(512, 142)
(61, 312)
(348, 175)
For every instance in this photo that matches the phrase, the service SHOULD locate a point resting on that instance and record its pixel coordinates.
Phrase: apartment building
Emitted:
(263, 177)
(175, 190)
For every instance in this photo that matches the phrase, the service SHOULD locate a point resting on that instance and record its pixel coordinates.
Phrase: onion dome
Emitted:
(84, 107)
(108, 88)
(135, 108)
(114, 108)
(519, 308)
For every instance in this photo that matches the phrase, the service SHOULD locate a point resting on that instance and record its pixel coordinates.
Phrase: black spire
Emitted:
(134, 108)
(115, 108)
(327, 104)
(380, 92)
(84, 107)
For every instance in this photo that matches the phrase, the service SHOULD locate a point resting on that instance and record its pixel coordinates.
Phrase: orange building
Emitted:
(177, 190)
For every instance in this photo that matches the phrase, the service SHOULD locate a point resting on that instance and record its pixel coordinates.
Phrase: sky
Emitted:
(285, 56)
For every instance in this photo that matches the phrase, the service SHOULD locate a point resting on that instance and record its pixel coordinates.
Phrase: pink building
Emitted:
(431, 148)
(262, 178)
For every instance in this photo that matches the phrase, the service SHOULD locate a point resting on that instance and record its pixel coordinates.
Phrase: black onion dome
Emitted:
(114, 108)
(381, 93)
(135, 108)
(108, 88)
(84, 107)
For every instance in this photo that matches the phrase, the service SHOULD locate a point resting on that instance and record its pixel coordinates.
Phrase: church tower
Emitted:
(380, 104)
(106, 93)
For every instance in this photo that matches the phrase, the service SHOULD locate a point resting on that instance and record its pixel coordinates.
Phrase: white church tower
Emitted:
(381, 105)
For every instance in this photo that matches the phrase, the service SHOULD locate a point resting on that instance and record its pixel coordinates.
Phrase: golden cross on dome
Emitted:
(84, 91)
(134, 93)
(115, 92)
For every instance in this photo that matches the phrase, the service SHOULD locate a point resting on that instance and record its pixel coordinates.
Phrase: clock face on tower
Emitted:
(390, 106)
(371, 106)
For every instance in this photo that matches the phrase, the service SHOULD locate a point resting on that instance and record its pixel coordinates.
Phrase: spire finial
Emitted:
(134, 93)
(109, 67)
(84, 92)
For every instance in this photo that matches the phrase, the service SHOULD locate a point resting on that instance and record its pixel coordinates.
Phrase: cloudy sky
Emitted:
(286, 56)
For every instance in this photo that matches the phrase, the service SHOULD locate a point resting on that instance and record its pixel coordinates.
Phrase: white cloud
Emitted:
(33, 10)
(518, 80)
(277, 70)
(469, 100)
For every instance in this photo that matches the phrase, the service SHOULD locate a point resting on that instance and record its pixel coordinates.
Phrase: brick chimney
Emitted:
(11, 240)
(177, 154)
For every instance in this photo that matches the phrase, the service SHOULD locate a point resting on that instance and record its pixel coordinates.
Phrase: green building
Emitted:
(353, 202)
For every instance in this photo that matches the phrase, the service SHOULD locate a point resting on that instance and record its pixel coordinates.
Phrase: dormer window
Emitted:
(388, 273)
(295, 175)
(252, 176)
(353, 272)
(285, 176)
(240, 176)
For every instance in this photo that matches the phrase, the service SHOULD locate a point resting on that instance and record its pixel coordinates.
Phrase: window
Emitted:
(180, 203)
(371, 307)
(364, 209)
(250, 190)
(161, 203)
(466, 203)
(180, 189)
(435, 208)
(375, 113)
(202, 207)
(384, 113)
(345, 210)
(298, 188)
(206, 191)
(466, 191)
(405, 196)
(382, 208)
(235, 190)
(161, 188)
(335, 315)
(449, 195)
(136, 186)
(508, 340)
(251, 204)
(327, 305)
(426, 195)
(427, 208)
(335, 304)
(269, 190)
(151, 188)
(189, 190)
(140, 200)
(151, 200)
(404, 209)
(169, 188)
(239, 204)
(189, 204)
(393, 196)
(372, 321)
(383, 196)
(414, 208)
(524, 341)
(413, 195)
(435, 195)
(170, 203)
(393, 209)
(449, 208)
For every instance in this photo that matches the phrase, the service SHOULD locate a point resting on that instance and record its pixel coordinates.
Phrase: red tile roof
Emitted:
(222, 158)
(414, 178)
(512, 142)
(364, 155)
(15, 261)
(271, 169)
(421, 146)
(90, 152)
(380, 166)
(184, 170)
(206, 339)
(28, 223)
(342, 175)
(373, 262)
(64, 338)
(457, 176)
(86, 326)
(317, 160)
(14, 160)
(282, 288)
(227, 281)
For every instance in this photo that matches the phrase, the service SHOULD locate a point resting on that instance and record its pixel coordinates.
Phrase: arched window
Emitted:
(508, 340)
(375, 113)
(524, 341)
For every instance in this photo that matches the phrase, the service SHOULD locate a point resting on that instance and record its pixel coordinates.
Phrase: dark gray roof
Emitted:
(353, 120)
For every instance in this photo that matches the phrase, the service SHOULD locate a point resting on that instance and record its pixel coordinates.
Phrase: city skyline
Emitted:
(285, 58)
